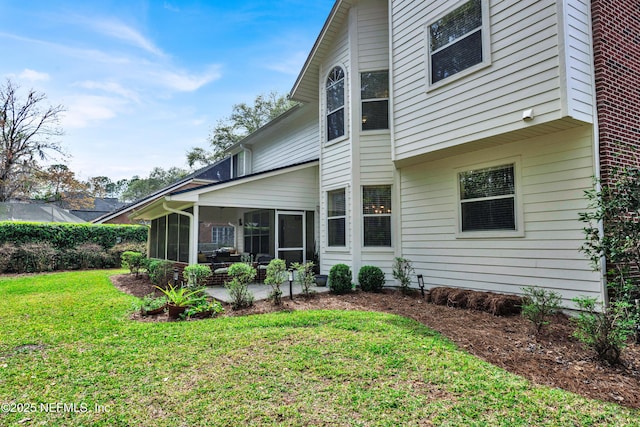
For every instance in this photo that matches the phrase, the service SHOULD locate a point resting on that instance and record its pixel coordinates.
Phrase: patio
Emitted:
(261, 291)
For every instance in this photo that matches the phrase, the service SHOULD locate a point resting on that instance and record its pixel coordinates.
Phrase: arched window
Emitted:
(335, 104)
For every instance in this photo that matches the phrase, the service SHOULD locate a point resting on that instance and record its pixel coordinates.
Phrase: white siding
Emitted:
(375, 159)
(555, 170)
(297, 190)
(294, 142)
(373, 35)
(526, 72)
(579, 59)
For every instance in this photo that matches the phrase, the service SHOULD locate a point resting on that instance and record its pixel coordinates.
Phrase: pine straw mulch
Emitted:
(553, 359)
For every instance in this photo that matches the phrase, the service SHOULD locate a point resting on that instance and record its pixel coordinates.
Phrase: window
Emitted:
(223, 236)
(335, 104)
(258, 228)
(374, 94)
(487, 199)
(336, 218)
(457, 40)
(238, 164)
(376, 211)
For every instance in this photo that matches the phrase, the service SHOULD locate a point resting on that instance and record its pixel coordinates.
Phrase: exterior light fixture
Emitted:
(291, 284)
(176, 275)
(421, 283)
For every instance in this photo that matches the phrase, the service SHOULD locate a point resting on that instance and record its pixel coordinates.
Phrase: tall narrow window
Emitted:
(238, 164)
(487, 199)
(336, 218)
(335, 104)
(456, 41)
(374, 94)
(376, 211)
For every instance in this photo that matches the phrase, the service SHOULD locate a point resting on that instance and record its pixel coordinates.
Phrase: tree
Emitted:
(244, 120)
(138, 188)
(27, 129)
(100, 186)
(58, 184)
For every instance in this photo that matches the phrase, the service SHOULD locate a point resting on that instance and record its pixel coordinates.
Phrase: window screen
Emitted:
(376, 210)
(336, 218)
(374, 94)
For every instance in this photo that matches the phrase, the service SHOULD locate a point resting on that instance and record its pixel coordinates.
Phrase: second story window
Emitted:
(458, 41)
(374, 94)
(335, 103)
(238, 167)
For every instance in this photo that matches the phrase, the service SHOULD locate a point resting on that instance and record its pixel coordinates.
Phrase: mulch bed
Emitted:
(554, 359)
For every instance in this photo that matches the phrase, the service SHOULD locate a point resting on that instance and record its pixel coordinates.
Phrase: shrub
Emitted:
(305, 276)
(130, 246)
(197, 275)
(402, 269)
(64, 236)
(204, 308)
(538, 305)
(89, 255)
(150, 303)
(340, 279)
(134, 261)
(276, 275)
(35, 258)
(604, 329)
(160, 272)
(241, 275)
(371, 278)
(7, 253)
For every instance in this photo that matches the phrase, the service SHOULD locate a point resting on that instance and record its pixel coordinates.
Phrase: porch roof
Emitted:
(293, 187)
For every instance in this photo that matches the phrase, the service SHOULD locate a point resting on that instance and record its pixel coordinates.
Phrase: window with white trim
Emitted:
(374, 95)
(376, 212)
(238, 165)
(488, 199)
(223, 236)
(336, 218)
(335, 103)
(458, 41)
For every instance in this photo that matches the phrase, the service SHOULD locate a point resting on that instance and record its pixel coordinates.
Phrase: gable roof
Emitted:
(305, 89)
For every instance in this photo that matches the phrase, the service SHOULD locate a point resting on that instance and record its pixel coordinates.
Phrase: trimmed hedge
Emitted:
(67, 236)
(29, 247)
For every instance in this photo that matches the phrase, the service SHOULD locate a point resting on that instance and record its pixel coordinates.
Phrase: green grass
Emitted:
(66, 339)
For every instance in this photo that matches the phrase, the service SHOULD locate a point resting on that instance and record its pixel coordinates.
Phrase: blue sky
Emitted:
(144, 81)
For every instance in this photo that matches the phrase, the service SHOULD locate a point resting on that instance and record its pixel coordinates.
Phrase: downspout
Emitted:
(192, 256)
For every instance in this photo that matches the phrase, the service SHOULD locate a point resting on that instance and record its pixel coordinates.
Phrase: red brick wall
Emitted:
(616, 40)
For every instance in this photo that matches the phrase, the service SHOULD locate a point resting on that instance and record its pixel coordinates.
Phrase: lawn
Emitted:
(69, 356)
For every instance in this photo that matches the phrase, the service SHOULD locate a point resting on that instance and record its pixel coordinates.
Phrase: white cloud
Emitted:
(290, 65)
(110, 87)
(85, 110)
(124, 32)
(33, 76)
(171, 7)
(185, 82)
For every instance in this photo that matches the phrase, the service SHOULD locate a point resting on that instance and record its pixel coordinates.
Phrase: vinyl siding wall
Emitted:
(293, 143)
(554, 171)
(527, 71)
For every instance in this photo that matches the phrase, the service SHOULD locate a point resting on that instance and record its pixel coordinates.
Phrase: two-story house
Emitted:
(458, 134)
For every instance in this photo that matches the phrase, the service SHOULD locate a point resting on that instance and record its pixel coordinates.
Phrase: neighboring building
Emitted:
(101, 206)
(35, 212)
(218, 171)
(458, 134)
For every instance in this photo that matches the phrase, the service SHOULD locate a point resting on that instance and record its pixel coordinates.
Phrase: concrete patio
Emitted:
(261, 291)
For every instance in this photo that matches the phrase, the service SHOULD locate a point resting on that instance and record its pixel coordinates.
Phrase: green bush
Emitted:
(134, 261)
(305, 275)
(275, 276)
(36, 258)
(340, 279)
(604, 329)
(241, 275)
(160, 272)
(538, 305)
(371, 278)
(120, 248)
(7, 254)
(197, 275)
(91, 255)
(64, 236)
(402, 269)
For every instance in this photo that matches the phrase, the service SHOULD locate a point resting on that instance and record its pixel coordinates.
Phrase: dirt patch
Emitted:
(554, 359)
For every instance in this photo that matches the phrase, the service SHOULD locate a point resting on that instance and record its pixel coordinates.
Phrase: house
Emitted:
(458, 134)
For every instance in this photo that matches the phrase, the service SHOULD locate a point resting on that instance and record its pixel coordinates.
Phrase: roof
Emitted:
(305, 89)
(32, 212)
(202, 176)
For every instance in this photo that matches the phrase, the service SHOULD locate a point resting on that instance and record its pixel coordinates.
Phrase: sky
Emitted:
(142, 82)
